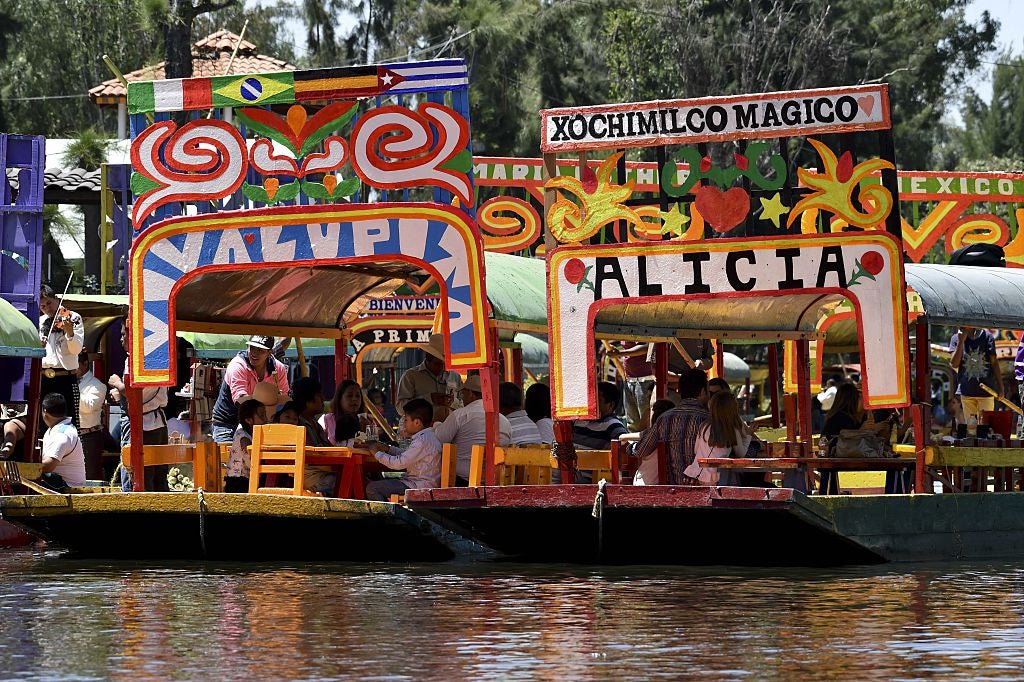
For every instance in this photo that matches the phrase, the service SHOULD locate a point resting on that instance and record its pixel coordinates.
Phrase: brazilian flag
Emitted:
(254, 89)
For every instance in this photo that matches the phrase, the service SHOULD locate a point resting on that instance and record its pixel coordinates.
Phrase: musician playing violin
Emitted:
(62, 332)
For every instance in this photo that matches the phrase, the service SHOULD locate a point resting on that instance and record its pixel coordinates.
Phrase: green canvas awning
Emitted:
(18, 336)
(517, 291)
(224, 346)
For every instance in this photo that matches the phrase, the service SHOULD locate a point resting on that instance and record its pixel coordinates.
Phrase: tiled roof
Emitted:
(66, 179)
(210, 57)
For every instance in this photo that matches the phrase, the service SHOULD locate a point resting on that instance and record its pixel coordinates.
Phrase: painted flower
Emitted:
(576, 273)
(873, 262)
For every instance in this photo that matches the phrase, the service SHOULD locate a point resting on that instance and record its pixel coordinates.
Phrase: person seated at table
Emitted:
(63, 456)
(510, 404)
(421, 460)
(598, 434)
(308, 396)
(677, 429)
(723, 435)
(250, 414)
(289, 414)
(467, 426)
(343, 421)
(431, 381)
(717, 384)
(386, 409)
(660, 407)
(537, 403)
(846, 413)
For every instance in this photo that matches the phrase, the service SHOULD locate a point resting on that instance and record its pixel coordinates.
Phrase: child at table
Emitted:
(421, 460)
(250, 414)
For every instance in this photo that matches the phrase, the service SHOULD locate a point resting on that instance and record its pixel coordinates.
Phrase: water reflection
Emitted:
(62, 619)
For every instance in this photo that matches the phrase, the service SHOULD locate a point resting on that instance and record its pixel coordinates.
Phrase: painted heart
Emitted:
(722, 210)
(249, 238)
(866, 104)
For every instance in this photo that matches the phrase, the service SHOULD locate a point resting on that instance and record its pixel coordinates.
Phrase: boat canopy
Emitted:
(515, 289)
(730, 319)
(18, 336)
(953, 295)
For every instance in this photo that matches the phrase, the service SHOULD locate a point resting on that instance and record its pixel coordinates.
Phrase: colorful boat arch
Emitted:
(437, 238)
(864, 268)
(385, 331)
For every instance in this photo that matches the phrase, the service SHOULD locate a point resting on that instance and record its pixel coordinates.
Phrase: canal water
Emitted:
(66, 619)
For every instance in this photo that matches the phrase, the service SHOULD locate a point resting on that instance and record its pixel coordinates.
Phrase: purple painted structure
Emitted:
(21, 244)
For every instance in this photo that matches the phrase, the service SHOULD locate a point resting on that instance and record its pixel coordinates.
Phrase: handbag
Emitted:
(860, 443)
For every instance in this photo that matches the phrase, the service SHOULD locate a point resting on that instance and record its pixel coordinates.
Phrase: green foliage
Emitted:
(56, 53)
(88, 151)
(995, 130)
(267, 27)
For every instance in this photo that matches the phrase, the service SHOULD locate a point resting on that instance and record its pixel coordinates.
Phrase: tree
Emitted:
(176, 26)
(995, 129)
(266, 28)
(54, 58)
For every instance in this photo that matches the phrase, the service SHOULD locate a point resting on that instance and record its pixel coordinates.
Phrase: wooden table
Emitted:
(350, 464)
(802, 464)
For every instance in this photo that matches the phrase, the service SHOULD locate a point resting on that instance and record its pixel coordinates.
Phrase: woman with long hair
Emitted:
(846, 413)
(342, 422)
(723, 435)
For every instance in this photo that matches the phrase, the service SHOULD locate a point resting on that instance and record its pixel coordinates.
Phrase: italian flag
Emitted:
(170, 95)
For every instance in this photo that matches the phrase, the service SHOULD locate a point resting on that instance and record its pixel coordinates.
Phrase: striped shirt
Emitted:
(677, 429)
(524, 431)
(1018, 362)
(597, 435)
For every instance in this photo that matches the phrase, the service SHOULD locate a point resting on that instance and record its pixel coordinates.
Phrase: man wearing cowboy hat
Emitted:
(430, 381)
(467, 426)
(241, 377)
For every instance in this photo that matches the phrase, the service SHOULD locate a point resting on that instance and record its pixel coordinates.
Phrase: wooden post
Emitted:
(342, 366)
(137, 458)
(917, 412)
(489, 380)
(516, 362)
(803, 391)
(922, 361)
(35, 380)
(773, 382)
(563, 436)
(660, 370)
(719, 368)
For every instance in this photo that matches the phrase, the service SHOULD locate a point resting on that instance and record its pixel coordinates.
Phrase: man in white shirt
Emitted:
(91, 396)
(62, 334)
(467, 426)
(62, 448)
(510, 403)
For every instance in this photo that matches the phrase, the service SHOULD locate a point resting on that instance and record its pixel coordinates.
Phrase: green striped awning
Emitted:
(18, 336)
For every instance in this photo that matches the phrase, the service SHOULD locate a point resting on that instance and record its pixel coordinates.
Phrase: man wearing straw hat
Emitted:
(430, 381)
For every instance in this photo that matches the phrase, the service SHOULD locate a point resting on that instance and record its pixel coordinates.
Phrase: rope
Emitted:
(202, 519)
(598, 513)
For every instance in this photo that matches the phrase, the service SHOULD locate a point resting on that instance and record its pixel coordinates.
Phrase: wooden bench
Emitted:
(204, 458)
(533, 464)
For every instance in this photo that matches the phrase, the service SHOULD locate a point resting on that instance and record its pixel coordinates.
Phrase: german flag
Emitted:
(343, 83)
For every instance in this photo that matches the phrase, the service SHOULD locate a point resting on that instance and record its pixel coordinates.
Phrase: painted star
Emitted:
(387, 79)
(772, 209)
(673, 221)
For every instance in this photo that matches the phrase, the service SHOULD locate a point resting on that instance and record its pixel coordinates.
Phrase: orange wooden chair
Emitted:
(278, 449)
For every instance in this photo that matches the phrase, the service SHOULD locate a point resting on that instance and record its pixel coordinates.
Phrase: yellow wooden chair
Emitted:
(448, 461)
(523, 465)
(278, 449)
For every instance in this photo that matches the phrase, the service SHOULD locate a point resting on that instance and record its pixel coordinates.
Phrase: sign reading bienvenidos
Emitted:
(778, 114)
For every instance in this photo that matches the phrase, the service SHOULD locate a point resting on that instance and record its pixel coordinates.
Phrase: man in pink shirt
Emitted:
(248, 368)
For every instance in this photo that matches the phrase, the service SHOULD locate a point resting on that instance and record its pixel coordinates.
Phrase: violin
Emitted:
(60, 317)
